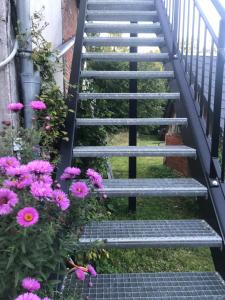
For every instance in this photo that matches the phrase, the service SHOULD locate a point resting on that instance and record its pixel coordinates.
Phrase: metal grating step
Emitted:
(123, 42)
(126, 15)
(150, 286)
(159, 187)
(133, 151)
(153, 57)
(160, 233)
(128, 122)
(127, 74)
(127, 96)
(122, 28)
(121, 5)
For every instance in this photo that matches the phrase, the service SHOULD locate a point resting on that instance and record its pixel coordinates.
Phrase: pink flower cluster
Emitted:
(35, 105)
(31, 285)
(36, 178)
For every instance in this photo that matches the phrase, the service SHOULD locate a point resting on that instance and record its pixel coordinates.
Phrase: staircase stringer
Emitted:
(66, 147)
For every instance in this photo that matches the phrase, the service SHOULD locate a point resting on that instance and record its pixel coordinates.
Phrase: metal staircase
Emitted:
(136, 233)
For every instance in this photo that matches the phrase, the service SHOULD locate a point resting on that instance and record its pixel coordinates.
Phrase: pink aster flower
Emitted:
(70, 173)
(45, 179)
(27, 216)
(46, 298)
(80, 274)
(79, 189)
(31, 284)
(91, 270)
(61, 199)
(41, 190)
(95, 177)
(17, 171)
(8, 161)
(8, 200)
(24, 181)
(15, 107)
(39, 167)
(38, 105)
(28, 296)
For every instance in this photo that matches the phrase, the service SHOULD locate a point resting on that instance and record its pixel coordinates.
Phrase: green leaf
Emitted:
(11, 260)
(27, 263)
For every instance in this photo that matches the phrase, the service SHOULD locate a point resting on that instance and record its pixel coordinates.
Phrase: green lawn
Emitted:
(151, 260)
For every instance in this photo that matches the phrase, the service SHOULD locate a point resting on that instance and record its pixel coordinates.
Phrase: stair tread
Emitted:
(130, 121)
(110, 56)
(120, 1)
(155, 233)
(121, 5)
(161, 187)
(133, 151)
(122, 28)
(122, 41)
(122, 13)
(127, 74)
(151, 286)
(120, 96)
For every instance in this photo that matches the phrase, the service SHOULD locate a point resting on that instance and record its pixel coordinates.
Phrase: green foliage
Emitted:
(50, 92)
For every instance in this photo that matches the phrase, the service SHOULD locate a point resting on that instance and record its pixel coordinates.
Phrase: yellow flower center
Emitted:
(28, 217)
(60, 198)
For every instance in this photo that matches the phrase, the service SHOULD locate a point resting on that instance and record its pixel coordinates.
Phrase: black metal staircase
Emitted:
(166, 18)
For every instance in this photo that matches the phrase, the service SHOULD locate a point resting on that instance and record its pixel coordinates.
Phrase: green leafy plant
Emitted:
(53, 118)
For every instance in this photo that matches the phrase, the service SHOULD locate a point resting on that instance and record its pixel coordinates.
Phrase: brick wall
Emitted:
(179, 164)
(69, 30)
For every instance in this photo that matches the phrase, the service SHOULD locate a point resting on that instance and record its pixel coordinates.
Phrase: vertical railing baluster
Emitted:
(192, 42)
(175, 31)
(182, 35)
(178, 25)
(218, 96)
(187, 37)
(223, 156)
(210, 88)
(197, 57)
(203, 73)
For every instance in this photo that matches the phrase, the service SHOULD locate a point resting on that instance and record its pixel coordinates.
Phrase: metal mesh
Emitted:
(150, 286)
(151, 233)
(154, 187)
(106, 151)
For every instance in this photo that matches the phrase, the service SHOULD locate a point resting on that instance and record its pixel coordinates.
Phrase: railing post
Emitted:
(218, 96)
(176, 22)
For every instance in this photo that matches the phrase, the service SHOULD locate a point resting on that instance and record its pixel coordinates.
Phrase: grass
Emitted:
(151, 260)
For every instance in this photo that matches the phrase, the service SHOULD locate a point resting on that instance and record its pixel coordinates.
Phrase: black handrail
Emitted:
(219, 7)
(187, 42)
(66, 149)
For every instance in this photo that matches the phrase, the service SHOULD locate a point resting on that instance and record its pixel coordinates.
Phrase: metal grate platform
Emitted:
(127, 96)
(122, 15)
(123, 42)
(130, 121)
(134, 151)
(159, 187)
(127, 74)
(151, 286)
(160, 233)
